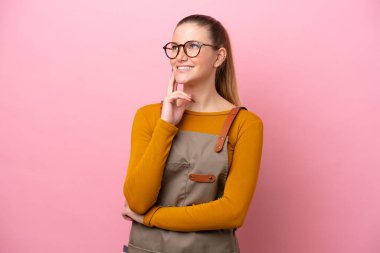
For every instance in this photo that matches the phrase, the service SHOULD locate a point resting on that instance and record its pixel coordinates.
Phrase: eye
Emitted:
(173, 47)
(194, 45)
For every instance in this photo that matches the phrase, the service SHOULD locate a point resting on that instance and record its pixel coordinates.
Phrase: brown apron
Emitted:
(195, 172)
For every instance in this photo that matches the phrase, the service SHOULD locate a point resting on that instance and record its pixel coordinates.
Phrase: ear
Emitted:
(221, 57)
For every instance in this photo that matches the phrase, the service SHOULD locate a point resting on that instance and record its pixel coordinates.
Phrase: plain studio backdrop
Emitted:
(73, 73)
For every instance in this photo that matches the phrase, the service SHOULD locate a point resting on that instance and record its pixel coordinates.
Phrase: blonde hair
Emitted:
(225, 78)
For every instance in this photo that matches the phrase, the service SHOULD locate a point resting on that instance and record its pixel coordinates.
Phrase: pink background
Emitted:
(73, 73)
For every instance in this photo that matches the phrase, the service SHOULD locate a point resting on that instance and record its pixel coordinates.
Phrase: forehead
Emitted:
(190, 31)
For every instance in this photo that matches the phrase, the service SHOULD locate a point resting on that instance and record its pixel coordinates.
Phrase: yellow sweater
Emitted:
(151, 141)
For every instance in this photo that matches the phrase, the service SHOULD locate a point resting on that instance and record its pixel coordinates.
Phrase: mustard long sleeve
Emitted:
(230, 210)
(151, 142)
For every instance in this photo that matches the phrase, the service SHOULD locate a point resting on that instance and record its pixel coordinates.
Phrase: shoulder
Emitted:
(146, 117)
(248, 117)
(247, 125)
(148, 114)
(149, 110)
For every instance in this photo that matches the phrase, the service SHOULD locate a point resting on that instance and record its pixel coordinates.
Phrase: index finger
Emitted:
(172, 84)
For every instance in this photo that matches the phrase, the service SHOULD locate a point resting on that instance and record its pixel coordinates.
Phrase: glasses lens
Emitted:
(171, 50)
(192, 48)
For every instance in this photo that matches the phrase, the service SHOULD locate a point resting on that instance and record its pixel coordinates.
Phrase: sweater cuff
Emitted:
(167, 126)
(149, 215)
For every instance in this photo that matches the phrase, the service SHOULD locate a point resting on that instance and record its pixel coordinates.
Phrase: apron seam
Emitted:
(187, 180)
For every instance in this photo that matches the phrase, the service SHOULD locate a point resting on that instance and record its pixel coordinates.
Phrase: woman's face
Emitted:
(202, 65)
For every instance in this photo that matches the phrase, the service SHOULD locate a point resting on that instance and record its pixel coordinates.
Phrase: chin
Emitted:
(186, 81)
(180, 79)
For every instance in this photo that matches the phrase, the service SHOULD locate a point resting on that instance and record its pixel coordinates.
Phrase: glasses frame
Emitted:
(184, 48)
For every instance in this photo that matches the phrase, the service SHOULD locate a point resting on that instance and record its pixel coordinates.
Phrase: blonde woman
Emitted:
(195, 157)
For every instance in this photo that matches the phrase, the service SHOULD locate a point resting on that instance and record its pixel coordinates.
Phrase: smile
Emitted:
(184, 68)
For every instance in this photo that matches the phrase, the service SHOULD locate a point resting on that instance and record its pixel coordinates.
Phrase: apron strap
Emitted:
(226, 127)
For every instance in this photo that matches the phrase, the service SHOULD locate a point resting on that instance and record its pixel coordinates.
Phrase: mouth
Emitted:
(183, 69)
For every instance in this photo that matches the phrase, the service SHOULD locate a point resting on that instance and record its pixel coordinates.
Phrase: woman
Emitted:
(195, 157)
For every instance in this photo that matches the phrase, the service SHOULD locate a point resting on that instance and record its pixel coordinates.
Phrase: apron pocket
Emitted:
(201, 188)
(173, 185)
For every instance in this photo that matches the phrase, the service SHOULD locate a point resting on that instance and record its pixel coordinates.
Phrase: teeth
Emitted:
(185, 67)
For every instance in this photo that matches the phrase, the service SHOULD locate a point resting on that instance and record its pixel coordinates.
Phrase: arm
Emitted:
(149, 151)
(228, 211)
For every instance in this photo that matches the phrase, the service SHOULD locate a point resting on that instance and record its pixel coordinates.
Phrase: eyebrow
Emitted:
(185, 41)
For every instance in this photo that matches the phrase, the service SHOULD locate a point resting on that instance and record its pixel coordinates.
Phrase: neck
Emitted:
(205, 95)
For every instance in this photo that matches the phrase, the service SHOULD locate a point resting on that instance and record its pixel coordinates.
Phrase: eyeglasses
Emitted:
(191, 48)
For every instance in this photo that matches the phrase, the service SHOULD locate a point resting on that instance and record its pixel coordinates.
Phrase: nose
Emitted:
(181, 54)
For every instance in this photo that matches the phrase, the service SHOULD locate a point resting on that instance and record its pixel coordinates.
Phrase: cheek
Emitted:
(205, 65)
